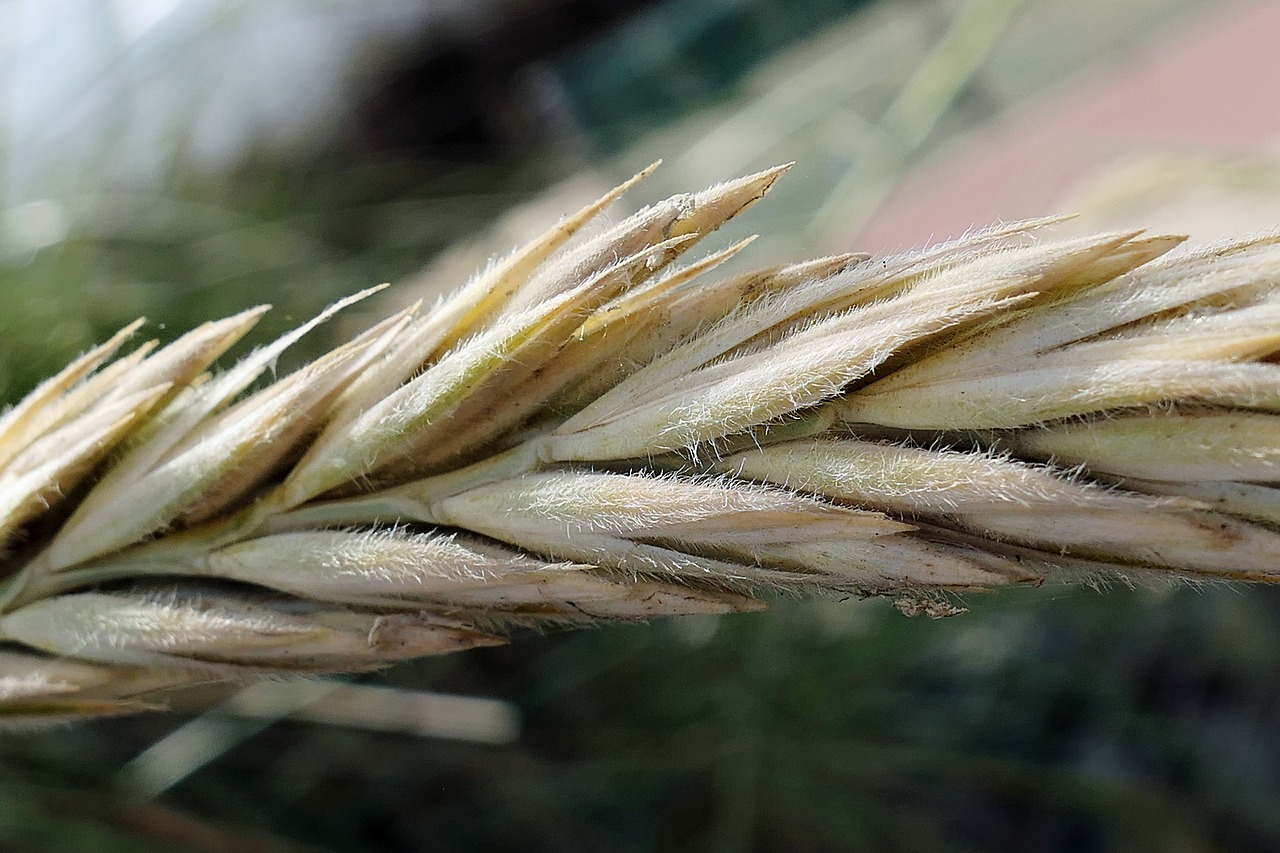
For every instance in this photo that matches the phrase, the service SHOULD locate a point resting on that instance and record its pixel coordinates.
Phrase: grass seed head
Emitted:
(589, 431)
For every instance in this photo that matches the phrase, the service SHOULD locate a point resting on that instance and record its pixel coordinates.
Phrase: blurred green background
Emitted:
(182, 159)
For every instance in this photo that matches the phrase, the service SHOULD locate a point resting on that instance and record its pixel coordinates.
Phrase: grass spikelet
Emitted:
(1206, 445)
(590, 431)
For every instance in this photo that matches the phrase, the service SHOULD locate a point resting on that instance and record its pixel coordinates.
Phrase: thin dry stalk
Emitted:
(590, 431)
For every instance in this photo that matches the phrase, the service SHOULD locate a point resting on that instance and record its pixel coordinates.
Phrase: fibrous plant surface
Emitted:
(598, 428)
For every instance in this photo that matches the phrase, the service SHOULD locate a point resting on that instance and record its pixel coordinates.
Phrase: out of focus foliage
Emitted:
(677, 57)
(1062, 720)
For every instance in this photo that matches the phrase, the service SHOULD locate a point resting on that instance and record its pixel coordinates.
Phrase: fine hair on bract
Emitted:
(598, 428)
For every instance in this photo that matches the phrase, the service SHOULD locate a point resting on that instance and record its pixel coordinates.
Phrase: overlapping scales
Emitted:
(589, 431)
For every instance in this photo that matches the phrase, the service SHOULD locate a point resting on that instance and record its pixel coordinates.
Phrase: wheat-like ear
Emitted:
(590, 431)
